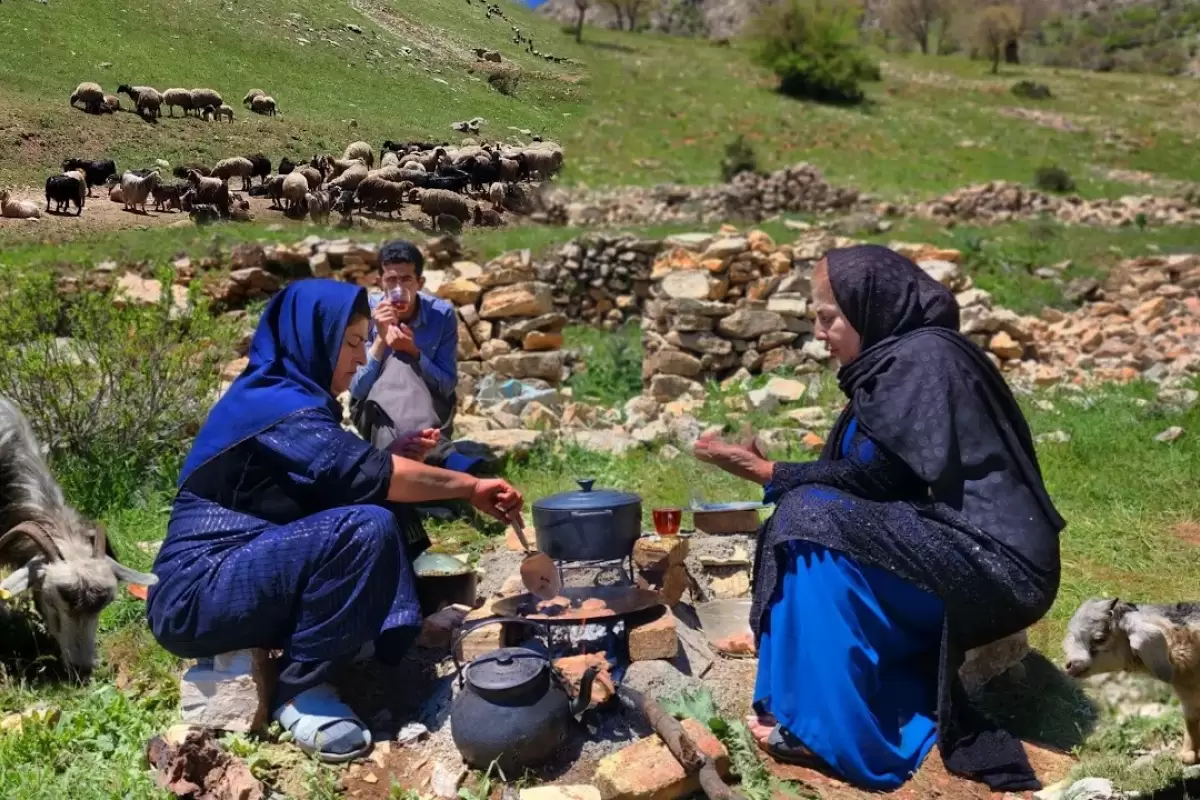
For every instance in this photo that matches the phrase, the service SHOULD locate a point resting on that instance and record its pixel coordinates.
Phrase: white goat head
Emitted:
(1113, 636)
(70, 585)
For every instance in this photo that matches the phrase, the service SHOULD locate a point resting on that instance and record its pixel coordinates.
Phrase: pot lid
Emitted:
(587, 498)
(439, 565)
(505, 669)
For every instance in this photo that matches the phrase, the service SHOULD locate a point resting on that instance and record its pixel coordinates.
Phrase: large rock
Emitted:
(230, 692)
(700, 342)
(611, 442)
(460, 291)
(674, 362)
(516, 331)
(789, 305)
(726, 248)
(747, 323)
(665, 388)
(505, 274)
(507, 442)
(689, 284)
(547, 366)
(531, 299)
(646, 770)
(786, 390)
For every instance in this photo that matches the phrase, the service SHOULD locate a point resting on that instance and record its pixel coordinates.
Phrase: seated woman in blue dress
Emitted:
(290, 533)
(924, 530)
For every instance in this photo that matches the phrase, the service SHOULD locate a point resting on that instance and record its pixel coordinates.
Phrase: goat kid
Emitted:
(63, 560)
(1159, 640)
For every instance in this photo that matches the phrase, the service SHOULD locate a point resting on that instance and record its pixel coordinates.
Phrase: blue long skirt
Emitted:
(848, 665)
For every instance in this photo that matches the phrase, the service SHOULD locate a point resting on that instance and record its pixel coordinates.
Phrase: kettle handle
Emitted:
(462, 634)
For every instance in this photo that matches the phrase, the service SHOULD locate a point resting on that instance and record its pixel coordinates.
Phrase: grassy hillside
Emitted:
(635, 108)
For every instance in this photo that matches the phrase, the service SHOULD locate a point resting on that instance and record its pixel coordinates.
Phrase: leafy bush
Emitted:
(1031, 90)
(505, 83)
(813, 47)
(1053, 179)
(739, 157)
(612, 364)
(114, 390)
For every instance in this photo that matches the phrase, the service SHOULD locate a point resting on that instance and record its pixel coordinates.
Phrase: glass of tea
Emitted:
(666, 521)
(401, 298)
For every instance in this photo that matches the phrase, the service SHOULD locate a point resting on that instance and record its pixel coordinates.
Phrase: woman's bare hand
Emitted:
(745, 461)
(416, 444)
(497, 498)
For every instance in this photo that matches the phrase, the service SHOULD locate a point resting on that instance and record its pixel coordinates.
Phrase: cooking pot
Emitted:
(588, 525)
(442, 581)
(512, 709)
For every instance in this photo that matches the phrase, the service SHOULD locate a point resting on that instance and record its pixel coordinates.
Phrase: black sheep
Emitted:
(286, 165)
(95, 172)
(484, 171)
(64, 190)
(452, 183)
(489, 218)
(262, 167)
(182, 170)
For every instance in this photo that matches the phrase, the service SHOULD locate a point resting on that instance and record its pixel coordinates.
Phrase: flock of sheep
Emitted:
(148, 102)
(471, 183)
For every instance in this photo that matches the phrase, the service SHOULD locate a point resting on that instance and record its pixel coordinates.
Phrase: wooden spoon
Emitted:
(538, 572)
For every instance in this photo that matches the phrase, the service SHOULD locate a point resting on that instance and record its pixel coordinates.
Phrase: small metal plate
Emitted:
(745, 505)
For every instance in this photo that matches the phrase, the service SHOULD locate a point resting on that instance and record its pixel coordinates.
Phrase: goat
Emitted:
(63, 560)
(1160, 640)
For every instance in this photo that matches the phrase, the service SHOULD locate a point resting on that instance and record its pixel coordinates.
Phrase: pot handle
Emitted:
(605, 513)
(462, 634)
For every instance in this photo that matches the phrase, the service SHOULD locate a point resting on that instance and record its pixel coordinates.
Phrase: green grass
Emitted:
(635, 108)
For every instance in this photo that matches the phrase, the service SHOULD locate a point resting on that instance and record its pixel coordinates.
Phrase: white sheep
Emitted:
(375, 189)
(274, 189)
(17, 209)
(415, 166)
(112, 104)
(498, 193)
(115, 195)
(178, 97)
(135, 189)
(336, 166)
(312, 176)
(89, 94)
(206, 97)
(226, 112)
(352, 177)
(250, 95)
(239, 166)
(393, 174)
(360, 150)
(389, 159)
(295, 187)
(436, 202)
(263, 105)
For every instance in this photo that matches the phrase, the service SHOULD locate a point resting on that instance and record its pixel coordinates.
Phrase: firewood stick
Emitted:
(691, 758)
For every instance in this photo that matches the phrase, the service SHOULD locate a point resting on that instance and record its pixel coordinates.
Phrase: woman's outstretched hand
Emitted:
(745, 460)
(497, 498)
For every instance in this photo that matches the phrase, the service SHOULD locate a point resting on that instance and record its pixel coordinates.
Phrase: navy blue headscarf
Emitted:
(292, 358)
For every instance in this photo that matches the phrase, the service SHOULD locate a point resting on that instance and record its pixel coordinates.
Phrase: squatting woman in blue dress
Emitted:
(924, 530)
(290, 533)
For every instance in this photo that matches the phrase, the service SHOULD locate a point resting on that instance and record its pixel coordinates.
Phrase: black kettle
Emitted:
(511, 709)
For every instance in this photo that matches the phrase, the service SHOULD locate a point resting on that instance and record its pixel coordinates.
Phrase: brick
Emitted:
(654, 640)
(572, 668)
(646, 770)
(657, 554)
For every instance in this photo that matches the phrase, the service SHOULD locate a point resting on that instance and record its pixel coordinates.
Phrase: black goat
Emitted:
(286, 165)
(64, 190)
(204, 213)
(262, 167)
(95, 172)
(169, 195)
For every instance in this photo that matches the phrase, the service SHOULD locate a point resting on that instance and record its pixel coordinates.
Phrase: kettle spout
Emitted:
(584, 698)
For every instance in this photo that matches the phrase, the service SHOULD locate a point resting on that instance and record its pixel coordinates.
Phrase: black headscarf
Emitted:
(930, 396)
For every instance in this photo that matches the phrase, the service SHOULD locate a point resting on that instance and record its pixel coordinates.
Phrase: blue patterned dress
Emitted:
(287, 541)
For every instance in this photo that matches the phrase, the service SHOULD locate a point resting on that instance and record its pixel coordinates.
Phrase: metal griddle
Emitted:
(619, 601)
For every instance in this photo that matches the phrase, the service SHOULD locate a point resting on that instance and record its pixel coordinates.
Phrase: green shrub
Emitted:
(739, 157)
(1031, 90)
(114, 390)
(813, 47)
(1053, 179)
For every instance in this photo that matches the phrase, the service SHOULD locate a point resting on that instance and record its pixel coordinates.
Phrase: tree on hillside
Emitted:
(582, 7)
(916, 19)
(627, 12)
(993, 29)
(1018, 17)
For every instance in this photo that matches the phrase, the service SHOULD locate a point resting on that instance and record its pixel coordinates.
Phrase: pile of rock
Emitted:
(749, 196)
(1146, 326)
(729, 305)
(600, 278)
(1002, 201)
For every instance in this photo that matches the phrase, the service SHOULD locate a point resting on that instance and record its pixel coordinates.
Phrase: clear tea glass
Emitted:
(401, 298)
(667, 520)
